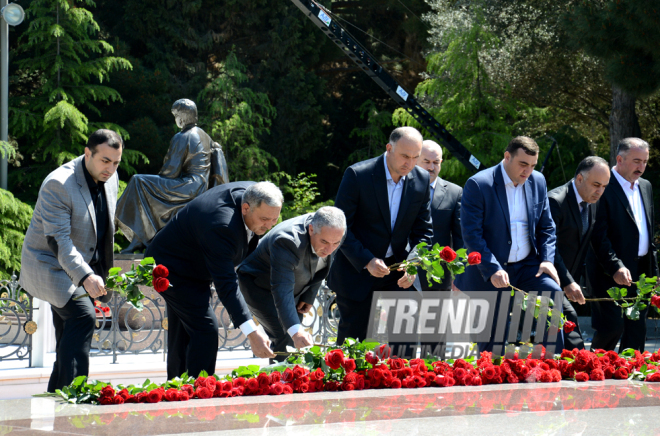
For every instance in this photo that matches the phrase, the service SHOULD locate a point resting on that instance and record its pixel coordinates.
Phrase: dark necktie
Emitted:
(584, 214)
(252, 245)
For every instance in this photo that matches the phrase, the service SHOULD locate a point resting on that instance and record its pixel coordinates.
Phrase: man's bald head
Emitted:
(430, 159)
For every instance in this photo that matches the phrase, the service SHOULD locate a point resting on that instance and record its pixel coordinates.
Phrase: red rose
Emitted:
(569, 326)
(621, 374)
(288, 389)
(276, 389)
(383, 352)
(349, 365)
(474, 258)
(597, 375)
(189, 389)
(655, 377)
(160, 284)
(371, 358)
(106, 400)
(155, 396)
(298, 371)
(396, 384)
(160, 271)
(447, 254)
(334, 359)
(107, 391)
(581, 377)
(655, 301)
(317, 375)
(263, 379)
(204, 393)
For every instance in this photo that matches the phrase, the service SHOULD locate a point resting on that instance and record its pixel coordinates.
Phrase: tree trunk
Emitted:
(623, 120)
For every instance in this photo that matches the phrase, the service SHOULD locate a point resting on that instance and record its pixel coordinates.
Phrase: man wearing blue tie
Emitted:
(505, 216)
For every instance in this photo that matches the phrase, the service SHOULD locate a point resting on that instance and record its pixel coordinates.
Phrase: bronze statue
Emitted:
(193, 164)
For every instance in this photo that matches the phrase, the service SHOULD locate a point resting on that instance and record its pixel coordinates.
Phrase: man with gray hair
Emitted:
(623, 247)
(574, 207)
(281, 278)
(202, 245)
(387, 205)
(189, 169)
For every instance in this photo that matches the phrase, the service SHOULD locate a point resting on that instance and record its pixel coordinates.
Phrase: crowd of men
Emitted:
(527, 237)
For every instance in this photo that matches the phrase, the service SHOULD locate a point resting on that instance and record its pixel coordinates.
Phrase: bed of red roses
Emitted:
(359, 366)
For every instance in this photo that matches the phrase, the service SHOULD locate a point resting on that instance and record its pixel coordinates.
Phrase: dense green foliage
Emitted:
(15, 218)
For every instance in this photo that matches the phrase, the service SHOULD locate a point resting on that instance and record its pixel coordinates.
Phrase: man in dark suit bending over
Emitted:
(573, 208)
(203, 244)
(386, 201)
(281, 278)
(623, 245)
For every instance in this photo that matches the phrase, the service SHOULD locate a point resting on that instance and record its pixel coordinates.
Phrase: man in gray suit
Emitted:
(68, 248)
(281, 278)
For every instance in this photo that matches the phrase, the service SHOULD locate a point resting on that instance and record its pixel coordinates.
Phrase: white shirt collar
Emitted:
(248, 231)
(577, 194)
(434, 183)
(623, 182)
(388, 176)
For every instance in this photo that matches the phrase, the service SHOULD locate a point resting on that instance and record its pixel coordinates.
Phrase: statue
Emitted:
(193, 164)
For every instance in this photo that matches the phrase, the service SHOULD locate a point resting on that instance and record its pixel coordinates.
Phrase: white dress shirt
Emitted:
(578, 196)
(520, 244)
(637, 206)
(394, 191)
(248, 326)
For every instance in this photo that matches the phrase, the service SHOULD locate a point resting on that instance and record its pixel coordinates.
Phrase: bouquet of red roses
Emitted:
(127, 284)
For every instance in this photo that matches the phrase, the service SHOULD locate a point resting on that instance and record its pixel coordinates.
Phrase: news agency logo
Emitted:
(431, 320)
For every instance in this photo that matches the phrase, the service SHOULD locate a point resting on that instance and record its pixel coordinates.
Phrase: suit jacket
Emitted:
(615, 238)
(485, 224)
(572, 247)
(65, 215)
(446, 214)
(284, 265)
(363, 198)
(205, 242)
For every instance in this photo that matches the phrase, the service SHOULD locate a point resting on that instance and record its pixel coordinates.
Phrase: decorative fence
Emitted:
(123, 330)
(16, 323)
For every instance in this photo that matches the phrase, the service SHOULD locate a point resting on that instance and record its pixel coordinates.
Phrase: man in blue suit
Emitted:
(505, 216)
(386, 201)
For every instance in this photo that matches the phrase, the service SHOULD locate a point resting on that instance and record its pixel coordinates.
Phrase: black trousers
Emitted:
(262, 305)
(354, 315)
(74, 327)
(611, 324)
(192, 333)
(573, 339)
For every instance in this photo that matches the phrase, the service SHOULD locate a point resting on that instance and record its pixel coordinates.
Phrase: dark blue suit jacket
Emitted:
(485, 225)
(363, 198)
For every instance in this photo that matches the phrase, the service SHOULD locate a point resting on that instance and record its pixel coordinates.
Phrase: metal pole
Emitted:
(4, 92)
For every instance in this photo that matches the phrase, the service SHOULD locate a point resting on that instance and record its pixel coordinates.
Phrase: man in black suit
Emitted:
(623, 247)
(203, 244)
(573, 208)
(281, 278)
(386, 201)
(445, 210)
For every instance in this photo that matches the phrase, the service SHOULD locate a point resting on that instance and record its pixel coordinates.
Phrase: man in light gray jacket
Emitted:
(281, 278)
(68, 248)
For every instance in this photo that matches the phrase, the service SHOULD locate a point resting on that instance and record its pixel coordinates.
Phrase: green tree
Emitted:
(624, 35)
(238, 117)
(62, 67)
(459, 92)
(374, 135)
(15, 218)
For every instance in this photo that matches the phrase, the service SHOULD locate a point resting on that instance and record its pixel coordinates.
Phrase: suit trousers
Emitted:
(522, 275)
(192, 333)
(573, 339)
(611, 324)
(262, 305)
(74, 327)
(355, 315)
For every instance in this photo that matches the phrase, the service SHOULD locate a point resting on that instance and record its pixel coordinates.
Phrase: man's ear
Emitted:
(245, 208)
(311, 229)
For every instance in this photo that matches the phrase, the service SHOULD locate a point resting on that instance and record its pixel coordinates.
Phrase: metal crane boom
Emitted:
(358, 54)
